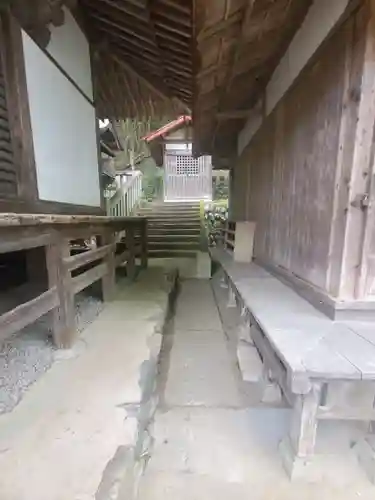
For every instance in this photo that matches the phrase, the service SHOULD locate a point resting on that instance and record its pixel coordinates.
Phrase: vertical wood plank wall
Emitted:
(295, 167)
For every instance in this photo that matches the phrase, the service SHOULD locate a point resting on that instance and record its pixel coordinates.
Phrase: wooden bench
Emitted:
(325, 369)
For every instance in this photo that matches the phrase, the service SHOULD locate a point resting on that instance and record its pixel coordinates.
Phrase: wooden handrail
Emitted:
(228, 237)
(54, 234)
(126, 197)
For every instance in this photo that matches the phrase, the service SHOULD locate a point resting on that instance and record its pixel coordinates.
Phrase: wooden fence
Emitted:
(119, 241)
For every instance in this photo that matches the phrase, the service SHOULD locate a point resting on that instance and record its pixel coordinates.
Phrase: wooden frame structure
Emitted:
(69, 274)
(324, 369)
(306, 174)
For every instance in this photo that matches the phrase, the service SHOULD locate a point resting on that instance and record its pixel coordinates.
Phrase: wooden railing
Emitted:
(228, 235)
(68, 274)
(127, 197)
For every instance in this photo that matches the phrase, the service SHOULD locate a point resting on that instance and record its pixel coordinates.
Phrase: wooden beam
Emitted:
(173, 29)
(226, 85)
(120, 7)
(109, 279)
(86, 279)
(75, 261)
(183, 20)
(116, 37)
(217, 28)
(131, 32)
(131, 267)
(23, 243)
(136, 74)
(241, 114)
(365, 182)
(176, 6)
(146, 82)
(25, 314)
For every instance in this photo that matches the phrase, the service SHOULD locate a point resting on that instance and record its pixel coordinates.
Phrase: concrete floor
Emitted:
(211, 436)
(213, 441)
(60, 442)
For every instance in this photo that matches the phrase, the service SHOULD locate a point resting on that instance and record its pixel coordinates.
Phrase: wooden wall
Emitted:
(293, 160)
(238, 201)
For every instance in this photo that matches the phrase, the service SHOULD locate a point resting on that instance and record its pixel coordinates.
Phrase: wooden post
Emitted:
(144, 244)
(130, 246)
(347, 266)
(244, 241)
(231, 298)
(64, 326)
(109, 280)
(297, 449)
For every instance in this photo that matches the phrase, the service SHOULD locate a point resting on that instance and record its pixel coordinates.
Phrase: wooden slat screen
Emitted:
(8, 173)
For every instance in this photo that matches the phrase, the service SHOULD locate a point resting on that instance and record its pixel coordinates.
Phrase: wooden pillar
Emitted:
(109, 280)
(231, 298)
(244, 241)
(64, 325)
(346, 273)
(144, 244)
(297, 449)
(130, 246)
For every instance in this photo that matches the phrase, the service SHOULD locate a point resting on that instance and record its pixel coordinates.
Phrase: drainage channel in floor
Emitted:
(200, 431)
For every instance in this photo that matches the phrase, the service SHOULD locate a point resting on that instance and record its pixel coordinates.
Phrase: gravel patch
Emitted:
(27, 355)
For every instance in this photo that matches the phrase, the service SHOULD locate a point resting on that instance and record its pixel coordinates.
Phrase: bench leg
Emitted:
(231, 298)
(365, 450)
(297, 449)
(223, 280)
(64, 324)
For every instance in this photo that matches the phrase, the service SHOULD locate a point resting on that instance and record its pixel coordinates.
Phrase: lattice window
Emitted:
(8, 173)
(187, 165)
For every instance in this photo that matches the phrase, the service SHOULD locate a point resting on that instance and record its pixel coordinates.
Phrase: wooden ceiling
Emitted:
(239, 43)
(143, 47)
(212, 58)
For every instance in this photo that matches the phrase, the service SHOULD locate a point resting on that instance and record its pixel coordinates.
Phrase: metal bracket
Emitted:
(361, 201)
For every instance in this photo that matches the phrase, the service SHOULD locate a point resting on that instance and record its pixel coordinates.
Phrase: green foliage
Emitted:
(220, 188)
(130, 133)
(216, 216)
(152, 183)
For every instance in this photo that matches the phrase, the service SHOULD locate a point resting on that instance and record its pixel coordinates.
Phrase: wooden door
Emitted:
(187, 178)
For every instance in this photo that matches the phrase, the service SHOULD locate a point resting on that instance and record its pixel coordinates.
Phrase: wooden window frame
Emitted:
(12, 58)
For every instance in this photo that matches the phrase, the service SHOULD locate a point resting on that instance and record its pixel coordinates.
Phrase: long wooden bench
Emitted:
(326, 369)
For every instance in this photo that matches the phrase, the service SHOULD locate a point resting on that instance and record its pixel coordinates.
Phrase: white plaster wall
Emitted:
(320, 19)
(70, 48)
(64, 133)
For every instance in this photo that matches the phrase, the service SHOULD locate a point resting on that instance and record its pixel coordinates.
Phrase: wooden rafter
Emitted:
(130, 32)
(226, 86)
(241, 114)
(123, 7)
(167, 15)
(176, 6)
(162, 94)
(217, 28)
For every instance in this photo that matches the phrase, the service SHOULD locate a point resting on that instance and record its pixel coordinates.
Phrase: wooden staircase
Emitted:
(174, 229)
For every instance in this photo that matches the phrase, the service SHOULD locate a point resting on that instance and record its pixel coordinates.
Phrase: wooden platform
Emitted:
(326, 369)
(69, 274)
